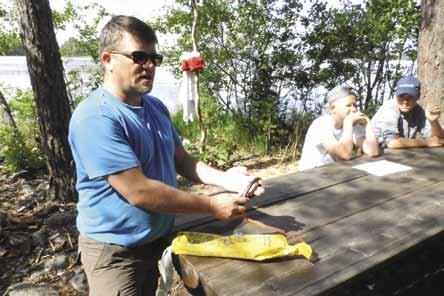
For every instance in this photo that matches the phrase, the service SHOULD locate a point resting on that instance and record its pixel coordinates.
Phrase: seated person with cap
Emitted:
(333, 136)
(402, 123)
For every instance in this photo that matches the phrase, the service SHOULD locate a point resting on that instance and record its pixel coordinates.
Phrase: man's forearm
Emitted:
(156, 196)
(233, 180)
(344, 147)
(197, 171)
(406, 143)
(370, 145)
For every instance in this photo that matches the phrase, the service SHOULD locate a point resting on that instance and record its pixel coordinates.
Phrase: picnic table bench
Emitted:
(352, 219)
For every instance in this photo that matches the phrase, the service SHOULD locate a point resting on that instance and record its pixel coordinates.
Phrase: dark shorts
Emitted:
(115, 270)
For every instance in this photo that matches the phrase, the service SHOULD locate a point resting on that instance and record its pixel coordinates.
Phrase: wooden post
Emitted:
(203, 132)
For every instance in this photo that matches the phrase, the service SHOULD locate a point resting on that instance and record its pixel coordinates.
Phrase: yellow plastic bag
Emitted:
(250, 246)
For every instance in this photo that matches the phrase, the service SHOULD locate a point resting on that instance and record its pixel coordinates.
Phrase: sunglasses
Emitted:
(141, 57)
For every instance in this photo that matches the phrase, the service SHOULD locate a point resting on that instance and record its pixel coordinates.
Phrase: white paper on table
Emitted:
(382, 167)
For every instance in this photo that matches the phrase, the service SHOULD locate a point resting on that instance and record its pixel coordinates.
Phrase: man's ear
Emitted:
(331, 107)
(105, 58)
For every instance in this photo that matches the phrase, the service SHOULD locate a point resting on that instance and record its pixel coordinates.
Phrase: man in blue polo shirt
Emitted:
(127, 153)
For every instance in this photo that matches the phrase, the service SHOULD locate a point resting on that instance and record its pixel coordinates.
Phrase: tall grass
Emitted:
(189, 131)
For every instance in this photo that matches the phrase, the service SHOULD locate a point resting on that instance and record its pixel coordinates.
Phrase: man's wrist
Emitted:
(225, 181)
(433, 141)
(210, 205)
(433, 122)
(424, 142)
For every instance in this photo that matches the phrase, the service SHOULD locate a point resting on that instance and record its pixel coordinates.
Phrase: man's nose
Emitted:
(149, 65)
(405, 101)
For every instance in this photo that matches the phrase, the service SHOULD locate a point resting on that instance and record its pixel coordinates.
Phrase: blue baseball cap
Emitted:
(408, 85)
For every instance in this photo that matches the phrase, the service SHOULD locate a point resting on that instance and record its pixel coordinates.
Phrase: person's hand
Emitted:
(225, 207)
(433, 112)
(433, 141)
(357, 118)
(238, 180)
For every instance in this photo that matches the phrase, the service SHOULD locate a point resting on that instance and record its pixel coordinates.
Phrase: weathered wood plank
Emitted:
(297, 184)
(260, 272)
(297, 216)
(374, 236)
(345, 248)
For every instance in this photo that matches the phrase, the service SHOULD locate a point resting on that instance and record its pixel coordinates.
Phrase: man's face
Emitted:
(131, 78)
(406, 102)
(344, 107)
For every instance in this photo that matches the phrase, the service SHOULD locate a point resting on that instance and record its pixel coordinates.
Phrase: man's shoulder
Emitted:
(93, 106)
(319, 126)
(388, 111)
(390, 105)
(156, 103)
(323, 121)
(87, 105)
(319, 119)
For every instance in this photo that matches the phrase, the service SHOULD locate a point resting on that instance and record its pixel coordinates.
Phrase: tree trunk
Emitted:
(46, 73)
(431, 53)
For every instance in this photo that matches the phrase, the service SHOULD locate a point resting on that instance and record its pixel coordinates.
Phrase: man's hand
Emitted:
(433, 142)
(356, 118)
(238, 180)
(225, 207)
(432, 113)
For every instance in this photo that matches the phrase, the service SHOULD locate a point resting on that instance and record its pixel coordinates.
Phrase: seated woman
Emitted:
(333, 136)
(402, 123)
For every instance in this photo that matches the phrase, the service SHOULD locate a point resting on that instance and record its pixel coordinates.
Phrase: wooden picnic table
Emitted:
(353, 220)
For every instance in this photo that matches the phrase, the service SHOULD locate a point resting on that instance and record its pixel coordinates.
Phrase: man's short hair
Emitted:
(113, 31)
(338, 93)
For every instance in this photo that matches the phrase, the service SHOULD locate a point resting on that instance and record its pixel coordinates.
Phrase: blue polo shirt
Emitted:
(108, 136)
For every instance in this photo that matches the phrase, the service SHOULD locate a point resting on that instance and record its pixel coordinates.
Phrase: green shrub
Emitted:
(20, 148)
(230, 136)
(218, 150)
(17, 153)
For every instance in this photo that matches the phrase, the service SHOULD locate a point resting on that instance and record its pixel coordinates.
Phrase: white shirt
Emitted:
(314, 153)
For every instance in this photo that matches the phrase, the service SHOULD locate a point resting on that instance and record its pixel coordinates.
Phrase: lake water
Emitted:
(14, 74)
